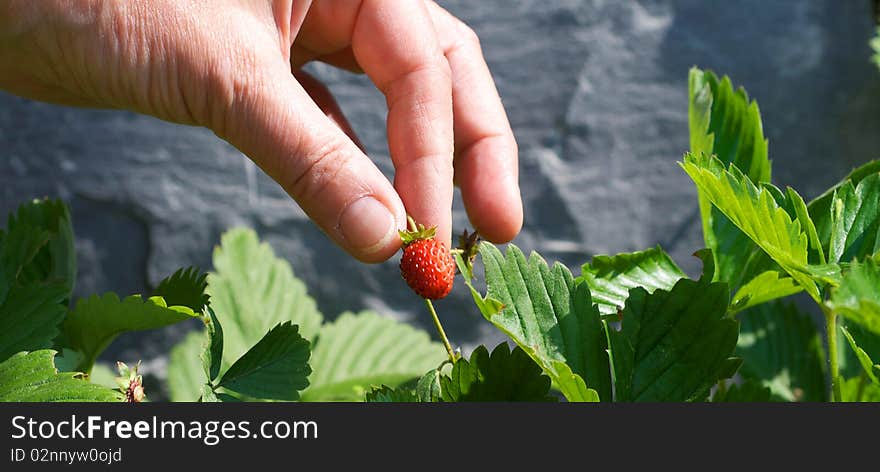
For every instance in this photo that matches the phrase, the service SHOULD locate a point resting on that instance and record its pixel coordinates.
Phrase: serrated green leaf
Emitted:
(96, 321)
(725, 123)
(794, 205)
(556, 326)
(357, 351)
(867, 364)
(610, 278)
(386, 394)
(858, 296)
(848, 363)
(29, 318)
(17, 248)
(798, 211)
(855, 220)
(186, 374)
(673, 345)
(781, 347)
(252, 290)
(428, 388)
(820, 207)
(749, 391)
(186, 287)
(756, 213)
(767, 286)
(56, 260)
(32, 377)
(68, 359)
(487, 306)
(212, 352)
(276, 368)
(504, 375)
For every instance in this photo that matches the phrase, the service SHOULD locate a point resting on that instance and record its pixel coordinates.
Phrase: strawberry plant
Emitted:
(628, 327)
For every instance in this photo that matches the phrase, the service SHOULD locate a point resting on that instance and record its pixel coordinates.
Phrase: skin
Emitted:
(234, 66)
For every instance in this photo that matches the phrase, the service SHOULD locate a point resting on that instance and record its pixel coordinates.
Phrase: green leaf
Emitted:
(749, 391)
(781, 347)
(360, 350)
(208, 395)
(500, 377)
(673, 345)
(252, 291)
(186, 374)
(29, 318)
(68, 359)
(765, 287)
(802, 215)
(486, 305)
(428, 387)
(212, 353)
(17, 248)
(32, 377)
(858, 389)
(855, 220)
(386, 394)
(610, 278)
(186, 287)
(867, 364)
(848, 363)
(754, 211)
(820, 207)
(56, 261)
(723, 122)
(276, 368)
(858, 296)
(553, 320)
(96, 321)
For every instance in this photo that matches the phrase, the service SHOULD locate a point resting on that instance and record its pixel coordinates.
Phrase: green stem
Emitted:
(863, 379)
(440, 330)
(831, 331)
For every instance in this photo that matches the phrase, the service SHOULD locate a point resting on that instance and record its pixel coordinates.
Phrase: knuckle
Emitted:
(465, 38)
(230, 87)
(468, 35)
(317, 170)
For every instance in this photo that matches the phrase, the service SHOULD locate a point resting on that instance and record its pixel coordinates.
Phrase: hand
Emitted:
(227, 65)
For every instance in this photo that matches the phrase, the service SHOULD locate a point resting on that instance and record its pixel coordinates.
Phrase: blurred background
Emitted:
(596, 91)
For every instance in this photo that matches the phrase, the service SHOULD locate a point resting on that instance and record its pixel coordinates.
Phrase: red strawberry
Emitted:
(426, 265)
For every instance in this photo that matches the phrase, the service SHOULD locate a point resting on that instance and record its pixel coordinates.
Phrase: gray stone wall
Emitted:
(597, 95)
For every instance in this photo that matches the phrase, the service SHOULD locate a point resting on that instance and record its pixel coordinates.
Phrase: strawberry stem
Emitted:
(449, 350)
(412, 224)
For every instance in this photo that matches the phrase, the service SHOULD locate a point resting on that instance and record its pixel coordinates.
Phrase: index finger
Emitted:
(396, 45)
(486, 150)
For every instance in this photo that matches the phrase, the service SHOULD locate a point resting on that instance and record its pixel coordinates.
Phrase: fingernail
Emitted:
(367, 225)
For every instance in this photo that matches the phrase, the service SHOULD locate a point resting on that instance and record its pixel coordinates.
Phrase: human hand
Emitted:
(227, 65)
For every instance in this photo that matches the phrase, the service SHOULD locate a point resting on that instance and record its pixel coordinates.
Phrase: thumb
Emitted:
(274, 122)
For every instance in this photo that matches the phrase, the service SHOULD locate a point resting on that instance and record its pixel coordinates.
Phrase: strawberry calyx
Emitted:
(130, 382)
(416, 232)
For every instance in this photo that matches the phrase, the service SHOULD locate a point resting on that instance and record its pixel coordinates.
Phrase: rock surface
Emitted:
(596, 92)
